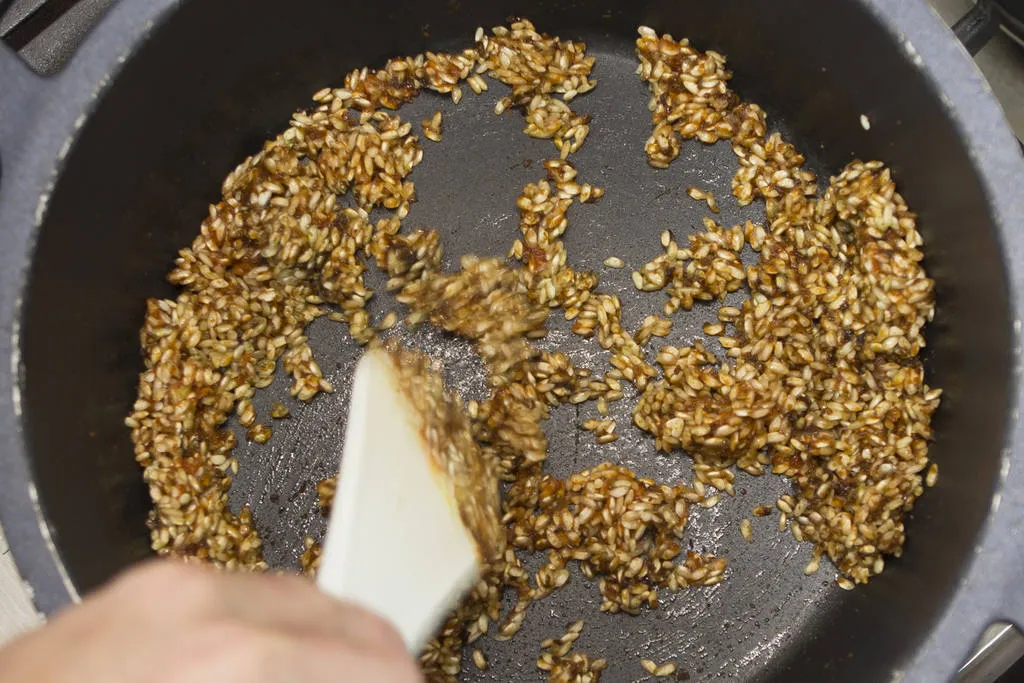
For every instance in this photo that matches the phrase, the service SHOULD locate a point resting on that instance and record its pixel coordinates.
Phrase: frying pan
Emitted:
(107, 168)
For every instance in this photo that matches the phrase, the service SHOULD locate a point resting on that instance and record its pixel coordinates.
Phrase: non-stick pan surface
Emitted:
(216, 79)
(467, 186)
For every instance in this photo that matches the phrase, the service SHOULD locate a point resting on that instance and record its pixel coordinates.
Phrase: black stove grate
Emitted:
(47, 32)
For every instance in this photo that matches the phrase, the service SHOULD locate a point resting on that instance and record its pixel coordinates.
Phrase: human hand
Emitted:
(168, 622)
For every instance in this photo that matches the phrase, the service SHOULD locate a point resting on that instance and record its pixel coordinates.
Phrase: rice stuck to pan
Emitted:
(821, 380)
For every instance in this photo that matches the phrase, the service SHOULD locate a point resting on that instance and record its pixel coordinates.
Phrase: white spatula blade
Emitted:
(395, 542)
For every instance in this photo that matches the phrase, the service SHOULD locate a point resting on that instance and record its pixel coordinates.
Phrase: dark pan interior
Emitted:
(219, 78)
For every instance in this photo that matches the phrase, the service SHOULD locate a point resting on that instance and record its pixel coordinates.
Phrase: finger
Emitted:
(236, 653)
(295, 605)
(326, 661)
(288, 604)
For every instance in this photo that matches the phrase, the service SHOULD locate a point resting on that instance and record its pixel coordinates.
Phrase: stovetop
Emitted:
(46, 33)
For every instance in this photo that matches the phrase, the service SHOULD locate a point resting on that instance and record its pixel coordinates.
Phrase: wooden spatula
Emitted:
(396, 542)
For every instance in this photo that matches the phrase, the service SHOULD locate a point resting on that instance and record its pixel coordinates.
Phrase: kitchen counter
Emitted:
(16, 611)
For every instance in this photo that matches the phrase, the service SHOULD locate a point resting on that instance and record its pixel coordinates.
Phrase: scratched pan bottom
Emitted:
(748, 626)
